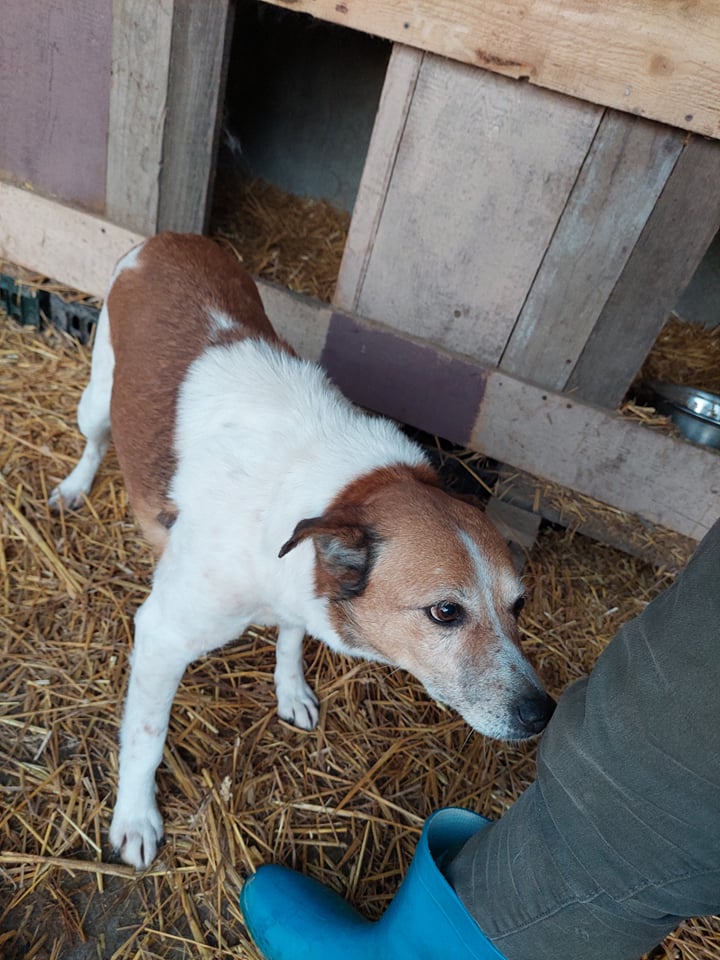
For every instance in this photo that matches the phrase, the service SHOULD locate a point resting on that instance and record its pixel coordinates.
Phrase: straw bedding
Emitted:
(237, 786)
(685, 353)
(297, 242)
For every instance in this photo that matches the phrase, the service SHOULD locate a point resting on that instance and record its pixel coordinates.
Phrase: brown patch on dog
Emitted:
(154, 530)
(363, 490)
(160, 322)
(345, 542)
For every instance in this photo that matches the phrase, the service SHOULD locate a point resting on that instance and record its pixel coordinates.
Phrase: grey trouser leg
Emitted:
(618, 839)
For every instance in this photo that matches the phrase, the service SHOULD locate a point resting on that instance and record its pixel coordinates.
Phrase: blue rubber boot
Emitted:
(291, 917)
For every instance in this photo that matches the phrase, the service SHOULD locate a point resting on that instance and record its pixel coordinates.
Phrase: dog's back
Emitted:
(171, 299)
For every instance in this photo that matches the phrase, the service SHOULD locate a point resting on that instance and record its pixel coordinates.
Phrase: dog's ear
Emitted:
(345, 550)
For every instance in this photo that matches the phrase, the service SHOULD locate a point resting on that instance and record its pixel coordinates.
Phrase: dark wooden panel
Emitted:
(676, 236)
(198, 61)
(623, 175)
(54, 96)
(412, 382)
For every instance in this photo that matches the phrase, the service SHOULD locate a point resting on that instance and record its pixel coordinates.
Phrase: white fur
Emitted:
(220, 321)
(93, 420)
(509, 662)
(291, 462)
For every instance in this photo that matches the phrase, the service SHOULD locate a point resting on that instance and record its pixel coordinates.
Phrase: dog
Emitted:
(268, 498)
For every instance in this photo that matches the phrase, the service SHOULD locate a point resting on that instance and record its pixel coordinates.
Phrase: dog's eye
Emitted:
(445, 612)
(517, 606)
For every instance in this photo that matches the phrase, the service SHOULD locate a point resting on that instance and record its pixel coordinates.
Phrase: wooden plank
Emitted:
(625, 532)
(516, 525)
(671, 246)
(81, 250)
(302, 321)
(657, 60)
(595, 452)
(621, 179)
(141, 40)
(398, 90)
(406, 379)
(63, 243)
(600, 454)
(54, 90)
(483, 171)
(201, 34)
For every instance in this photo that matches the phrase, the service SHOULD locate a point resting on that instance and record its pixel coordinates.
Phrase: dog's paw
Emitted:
(297, 704)
(135, 837)
(66, 496)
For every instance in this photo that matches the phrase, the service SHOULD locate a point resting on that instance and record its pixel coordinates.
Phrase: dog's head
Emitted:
(419, 579)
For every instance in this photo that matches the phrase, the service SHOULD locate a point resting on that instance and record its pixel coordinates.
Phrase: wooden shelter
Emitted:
(540, 186)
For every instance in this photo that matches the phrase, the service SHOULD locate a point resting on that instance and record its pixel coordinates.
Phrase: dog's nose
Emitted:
(535, 711)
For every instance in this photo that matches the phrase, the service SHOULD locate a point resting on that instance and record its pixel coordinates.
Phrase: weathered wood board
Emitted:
(540, 499)
(54, 91)
(201, 34)
(623, 175)
(77, 248)
(471, 236)
(672, 244)
(398, 90)
(302, 321)
(599, 453)
(141, 39)
(482, 172)
(656, 60)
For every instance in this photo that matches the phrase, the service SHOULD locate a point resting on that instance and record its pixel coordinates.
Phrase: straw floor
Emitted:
(685, 353)
(288, 240)
(237, 786)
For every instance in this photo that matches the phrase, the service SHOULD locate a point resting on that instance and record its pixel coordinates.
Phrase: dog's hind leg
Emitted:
(93, 420)
(296, 702)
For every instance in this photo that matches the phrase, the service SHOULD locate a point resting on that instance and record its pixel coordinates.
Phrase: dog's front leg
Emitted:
(157, 665)
(296, 701)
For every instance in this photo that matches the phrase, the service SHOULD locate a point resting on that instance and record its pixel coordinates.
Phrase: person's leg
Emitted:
(619, 837)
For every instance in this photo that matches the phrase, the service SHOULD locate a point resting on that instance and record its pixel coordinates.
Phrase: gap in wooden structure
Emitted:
(299, 109)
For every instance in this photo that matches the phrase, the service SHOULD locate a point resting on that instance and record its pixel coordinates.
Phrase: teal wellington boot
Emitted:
(291, 917)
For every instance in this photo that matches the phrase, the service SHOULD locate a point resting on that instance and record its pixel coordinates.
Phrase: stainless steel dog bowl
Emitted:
(696, 413)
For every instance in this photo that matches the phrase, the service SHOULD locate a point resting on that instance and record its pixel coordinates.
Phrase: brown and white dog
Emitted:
(268, 498)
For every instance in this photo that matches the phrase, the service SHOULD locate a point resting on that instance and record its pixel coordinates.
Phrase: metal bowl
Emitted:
(696, 413)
